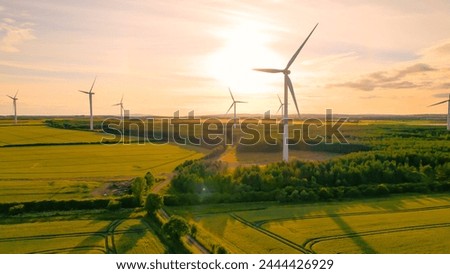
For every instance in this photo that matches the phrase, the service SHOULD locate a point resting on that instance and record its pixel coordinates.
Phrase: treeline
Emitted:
(138, 193)
(364, 174)
(67, 205)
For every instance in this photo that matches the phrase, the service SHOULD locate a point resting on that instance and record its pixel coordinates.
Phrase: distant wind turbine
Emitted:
(288, 85)
(281, 105)
(90, 93)
(15, 106)
(234, 105)
(121, 108)
(448, 111)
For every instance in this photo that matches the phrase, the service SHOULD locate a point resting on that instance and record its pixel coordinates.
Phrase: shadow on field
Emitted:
(130, 238)
(353, 235)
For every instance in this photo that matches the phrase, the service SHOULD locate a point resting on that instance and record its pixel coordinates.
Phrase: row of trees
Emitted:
(360, 174)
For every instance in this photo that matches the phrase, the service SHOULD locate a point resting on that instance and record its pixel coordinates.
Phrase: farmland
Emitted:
(79, 232)
(63, 191)
(402, 224)
(42, 163)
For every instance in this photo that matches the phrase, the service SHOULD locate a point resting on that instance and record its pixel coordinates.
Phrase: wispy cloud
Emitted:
(441, 95)
(388, 79)
(13, 34)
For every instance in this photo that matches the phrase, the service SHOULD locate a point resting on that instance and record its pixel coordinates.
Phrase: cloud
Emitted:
(441, 95)
(12, 35)
(388, 80)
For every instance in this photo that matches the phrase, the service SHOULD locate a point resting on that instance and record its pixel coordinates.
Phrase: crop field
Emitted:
(40, 134)
(35, 190)
(46, 235)
(402, 224)
(42, 163)
(90, 161)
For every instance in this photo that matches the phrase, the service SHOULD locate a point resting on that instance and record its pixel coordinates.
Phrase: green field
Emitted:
(40, 134)
(42, 163)
(402, 224)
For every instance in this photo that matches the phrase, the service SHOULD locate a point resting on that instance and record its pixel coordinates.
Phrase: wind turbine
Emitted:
(234, 105)
(121, 108)
(281, 105)
(448, 112)
(288, 85)
(15, 106)
(90, 93)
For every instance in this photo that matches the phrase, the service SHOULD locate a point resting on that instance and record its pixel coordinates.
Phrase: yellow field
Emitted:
(60, 164)
(79, 236)
(402, 224)
(39, 134)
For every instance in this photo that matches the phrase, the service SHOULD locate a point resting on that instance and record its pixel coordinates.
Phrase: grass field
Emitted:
(401, 224)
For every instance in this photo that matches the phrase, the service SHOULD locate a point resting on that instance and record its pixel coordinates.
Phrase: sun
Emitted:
(246, 45)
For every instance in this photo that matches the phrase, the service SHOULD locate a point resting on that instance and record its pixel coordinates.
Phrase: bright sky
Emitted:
(382, 56)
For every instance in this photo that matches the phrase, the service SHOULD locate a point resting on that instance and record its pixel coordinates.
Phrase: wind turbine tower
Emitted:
(288, 86)
(14, 106)
(448, 111)
(90, 93)
(121, 108)
(234, 105)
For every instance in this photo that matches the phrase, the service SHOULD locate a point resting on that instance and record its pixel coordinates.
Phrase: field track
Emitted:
(107, 235)
(272, 235)
(308, 246)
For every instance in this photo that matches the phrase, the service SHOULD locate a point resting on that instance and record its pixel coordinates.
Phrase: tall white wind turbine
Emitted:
(448, 111)
(121, 108)
(281, 105)
(14, 106)
(90, 93)
(288, 85)
(234, 105)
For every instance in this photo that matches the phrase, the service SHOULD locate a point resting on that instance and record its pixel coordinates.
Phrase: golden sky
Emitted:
(384, 57)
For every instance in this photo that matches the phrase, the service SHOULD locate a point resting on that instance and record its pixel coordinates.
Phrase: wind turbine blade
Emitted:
(445, 101)
(121, 99)
(240, 102)
(279, 108)
(231, 94)
(269, 70)
(279, 99)
(291, 88)
(15, 96)
(10, 97)
(83, 91)
(300, 48)
(117, 104)
(93, 83)
(230, 108)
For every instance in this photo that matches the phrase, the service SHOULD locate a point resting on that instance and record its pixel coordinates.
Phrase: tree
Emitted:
(153, 203)
(139, 189)
(176, 227)
(150, 179)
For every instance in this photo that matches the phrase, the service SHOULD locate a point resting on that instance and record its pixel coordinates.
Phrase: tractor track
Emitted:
(331, 215)
(309, 244)
(272, 235)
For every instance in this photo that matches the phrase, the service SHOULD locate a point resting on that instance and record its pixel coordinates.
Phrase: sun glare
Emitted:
(245, 46)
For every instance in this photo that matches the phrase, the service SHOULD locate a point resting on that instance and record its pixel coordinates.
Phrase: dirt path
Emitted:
(158, 188)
